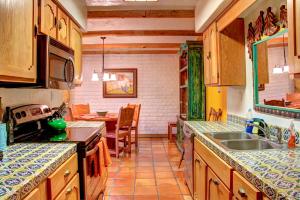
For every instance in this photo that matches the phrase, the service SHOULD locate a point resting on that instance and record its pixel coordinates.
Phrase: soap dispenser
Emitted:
(292, 139)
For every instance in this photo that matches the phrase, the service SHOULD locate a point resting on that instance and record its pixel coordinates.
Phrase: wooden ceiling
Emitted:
(139, 23)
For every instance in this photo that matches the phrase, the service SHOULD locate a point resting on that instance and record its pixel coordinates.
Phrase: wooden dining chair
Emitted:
(135, 122)
(215, 115)
(79, 109)
(122, 132)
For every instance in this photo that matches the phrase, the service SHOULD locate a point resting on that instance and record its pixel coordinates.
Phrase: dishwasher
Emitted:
(188, 145)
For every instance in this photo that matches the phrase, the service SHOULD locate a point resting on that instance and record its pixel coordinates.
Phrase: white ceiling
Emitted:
(122, 5)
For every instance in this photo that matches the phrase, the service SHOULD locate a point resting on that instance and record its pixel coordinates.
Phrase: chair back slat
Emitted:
(125, 117)
(136, 116)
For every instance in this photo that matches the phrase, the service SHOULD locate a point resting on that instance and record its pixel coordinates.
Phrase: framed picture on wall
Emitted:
(124, 87)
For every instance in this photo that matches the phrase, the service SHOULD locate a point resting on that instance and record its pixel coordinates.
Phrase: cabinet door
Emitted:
(214, 72)
(199, 177)
(71, 191)
(262, 63)
(63, 27)
(206, 52)
(18, 21)
(297, 27)
(48, 17)
(76, 45)
(216, 190)
(35, 194)
(243, 190)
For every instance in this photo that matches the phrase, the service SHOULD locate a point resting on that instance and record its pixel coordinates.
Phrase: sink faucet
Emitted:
(266, 130)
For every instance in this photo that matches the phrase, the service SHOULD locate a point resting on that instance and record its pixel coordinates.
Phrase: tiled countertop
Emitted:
(275, 172)
(26, 165)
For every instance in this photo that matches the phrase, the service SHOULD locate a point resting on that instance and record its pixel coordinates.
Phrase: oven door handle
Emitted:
(91, 152)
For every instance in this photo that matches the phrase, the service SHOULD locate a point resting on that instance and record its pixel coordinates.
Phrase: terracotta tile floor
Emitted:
(149, 173)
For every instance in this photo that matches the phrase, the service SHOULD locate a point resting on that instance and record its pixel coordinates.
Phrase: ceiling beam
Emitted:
(142, 33)
(142, 14)
(131, 52)
(132, 45)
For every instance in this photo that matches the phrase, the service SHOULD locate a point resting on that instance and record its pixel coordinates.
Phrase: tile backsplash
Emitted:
(273, 128)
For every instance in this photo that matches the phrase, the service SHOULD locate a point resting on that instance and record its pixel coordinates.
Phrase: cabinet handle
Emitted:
(67, 173)
(55, 21)
(242, 192)
(68, 191)
(209, 55)
(215, 181)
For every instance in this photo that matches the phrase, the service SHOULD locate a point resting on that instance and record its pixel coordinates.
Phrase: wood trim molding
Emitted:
(131, 52)
(4, 78)
(142, 33)
(141, 14)
(131, 45)
(233, 12)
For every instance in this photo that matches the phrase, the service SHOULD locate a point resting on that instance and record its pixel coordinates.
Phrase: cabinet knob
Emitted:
(215, 181)
(67, 173)
(69, 190)
(29, 68)
(242, 192)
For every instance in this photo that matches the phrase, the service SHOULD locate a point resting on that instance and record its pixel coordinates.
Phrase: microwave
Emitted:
(55, 63)
(55, 66)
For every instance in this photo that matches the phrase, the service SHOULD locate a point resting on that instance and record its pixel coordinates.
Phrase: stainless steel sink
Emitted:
(229, 135)
(251, 144)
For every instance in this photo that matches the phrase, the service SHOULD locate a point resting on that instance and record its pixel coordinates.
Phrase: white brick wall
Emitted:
(279, 84)
(158, 93)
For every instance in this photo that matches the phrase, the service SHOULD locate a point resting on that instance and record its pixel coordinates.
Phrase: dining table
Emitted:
(110, 119)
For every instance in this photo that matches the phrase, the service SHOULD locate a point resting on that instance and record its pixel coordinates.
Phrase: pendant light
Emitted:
(105, 76)
(285, 68)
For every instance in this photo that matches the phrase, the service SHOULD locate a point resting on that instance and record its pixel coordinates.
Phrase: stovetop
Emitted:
(81, 135)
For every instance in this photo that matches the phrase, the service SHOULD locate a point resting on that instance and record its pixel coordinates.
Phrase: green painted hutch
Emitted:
(191, 86)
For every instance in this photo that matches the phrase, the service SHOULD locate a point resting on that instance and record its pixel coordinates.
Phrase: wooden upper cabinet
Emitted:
(262, 63)
(224, 50)
(216, 190)
(200, 168)
(48, 17)
(63, 29)
(214, 71)
(76, 45)
(18, 21)
(206, 56)
(293, 7)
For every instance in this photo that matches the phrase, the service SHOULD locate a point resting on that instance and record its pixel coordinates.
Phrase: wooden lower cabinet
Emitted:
(216, 190)
(71, 191)
(63, 184)
(243, 190)
(200, 168)
(35, 194)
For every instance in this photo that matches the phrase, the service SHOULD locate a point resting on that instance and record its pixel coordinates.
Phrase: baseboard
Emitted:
(153, 135)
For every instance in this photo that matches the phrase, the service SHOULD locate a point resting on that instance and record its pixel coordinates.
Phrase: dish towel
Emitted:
(3, 137)
(103, 156)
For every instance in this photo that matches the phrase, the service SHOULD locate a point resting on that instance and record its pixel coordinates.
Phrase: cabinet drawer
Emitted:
(216, 190)
(59, 179)
(35, 194)
(220, 167)
(242, 189)
(71, 191)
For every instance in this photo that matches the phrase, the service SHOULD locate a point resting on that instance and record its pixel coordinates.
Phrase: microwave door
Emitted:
(61, 72)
